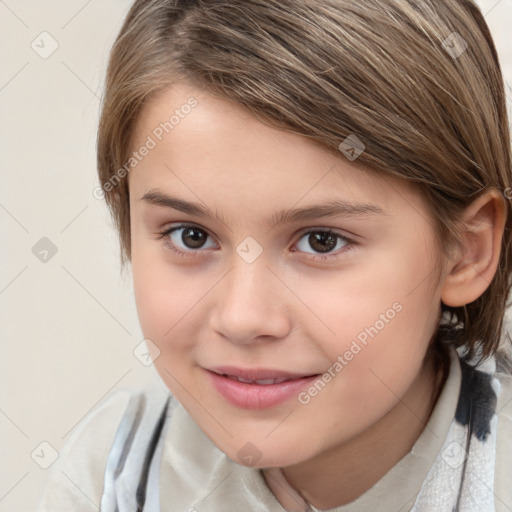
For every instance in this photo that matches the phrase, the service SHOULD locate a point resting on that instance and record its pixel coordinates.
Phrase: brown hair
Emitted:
(396, 73)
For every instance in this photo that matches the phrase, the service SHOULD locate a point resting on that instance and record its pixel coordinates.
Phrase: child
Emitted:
(313, 196)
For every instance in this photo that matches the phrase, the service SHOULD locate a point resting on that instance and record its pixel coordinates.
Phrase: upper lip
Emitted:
(257, 373)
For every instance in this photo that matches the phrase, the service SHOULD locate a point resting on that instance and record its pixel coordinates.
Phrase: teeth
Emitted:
(282, 379)
(265, 381)
(262, 382)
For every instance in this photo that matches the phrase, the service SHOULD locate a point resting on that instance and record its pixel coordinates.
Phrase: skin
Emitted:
(285, 310)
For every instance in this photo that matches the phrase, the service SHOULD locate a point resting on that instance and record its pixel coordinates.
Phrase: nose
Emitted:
(250, 304)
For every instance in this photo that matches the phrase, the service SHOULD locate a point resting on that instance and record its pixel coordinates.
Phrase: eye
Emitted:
(186, 240)
(183, 240)
(325, 241)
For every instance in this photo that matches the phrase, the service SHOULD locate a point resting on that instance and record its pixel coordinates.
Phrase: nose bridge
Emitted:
(249, 302)
(249, 274)
(247, 285)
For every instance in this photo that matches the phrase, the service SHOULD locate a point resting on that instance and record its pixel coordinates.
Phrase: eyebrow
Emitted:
(331, 208)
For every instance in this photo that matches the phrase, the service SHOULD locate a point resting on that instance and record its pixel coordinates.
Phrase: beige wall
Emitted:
(69, 324)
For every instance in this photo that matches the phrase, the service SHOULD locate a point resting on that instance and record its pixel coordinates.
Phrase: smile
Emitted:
(257, 389)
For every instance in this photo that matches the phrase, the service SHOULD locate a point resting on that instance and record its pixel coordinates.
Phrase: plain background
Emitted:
(69, 324)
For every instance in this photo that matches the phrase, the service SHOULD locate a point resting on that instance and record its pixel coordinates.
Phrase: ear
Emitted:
(471, 270)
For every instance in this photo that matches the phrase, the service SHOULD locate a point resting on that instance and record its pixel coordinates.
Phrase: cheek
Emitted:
(167, 308)
(162, 296)
(381, 321)
(371, 371)
(162, 303)
(376, 301)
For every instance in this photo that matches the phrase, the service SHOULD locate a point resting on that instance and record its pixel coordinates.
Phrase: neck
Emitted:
(344, 473)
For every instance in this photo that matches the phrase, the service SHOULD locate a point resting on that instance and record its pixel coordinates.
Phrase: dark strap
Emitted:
(475, 410)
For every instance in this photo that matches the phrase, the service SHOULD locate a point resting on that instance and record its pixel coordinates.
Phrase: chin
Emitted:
(257, 456)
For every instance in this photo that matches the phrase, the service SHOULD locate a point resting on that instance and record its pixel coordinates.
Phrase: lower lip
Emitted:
(258, 396)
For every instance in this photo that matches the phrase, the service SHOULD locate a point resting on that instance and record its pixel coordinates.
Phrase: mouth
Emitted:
(260, 382)
(258, 388)
(261, 376)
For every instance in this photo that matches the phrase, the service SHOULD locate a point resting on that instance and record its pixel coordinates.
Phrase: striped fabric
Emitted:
(132, 471)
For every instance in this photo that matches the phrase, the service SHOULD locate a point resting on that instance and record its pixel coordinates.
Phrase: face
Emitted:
(283, 335)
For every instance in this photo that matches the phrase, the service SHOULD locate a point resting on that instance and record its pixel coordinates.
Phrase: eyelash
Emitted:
(196, 253)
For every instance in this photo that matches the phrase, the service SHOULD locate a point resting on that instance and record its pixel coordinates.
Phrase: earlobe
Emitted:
(470, 273)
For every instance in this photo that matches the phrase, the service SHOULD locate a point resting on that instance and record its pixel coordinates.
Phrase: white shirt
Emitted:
(195, 476)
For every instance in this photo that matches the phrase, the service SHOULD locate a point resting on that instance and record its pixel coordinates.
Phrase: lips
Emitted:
(257, 388)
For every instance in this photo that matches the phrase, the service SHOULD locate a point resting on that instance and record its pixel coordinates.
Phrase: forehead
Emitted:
(218, 146)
